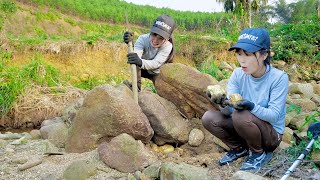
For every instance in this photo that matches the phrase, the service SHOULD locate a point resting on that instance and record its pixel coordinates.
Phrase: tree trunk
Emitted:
(249, 13)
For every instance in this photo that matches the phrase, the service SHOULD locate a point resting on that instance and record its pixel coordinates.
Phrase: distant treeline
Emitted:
(115, 11)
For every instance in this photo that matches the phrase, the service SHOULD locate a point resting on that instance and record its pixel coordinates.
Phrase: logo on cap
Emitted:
(248, 36)
(164, 25)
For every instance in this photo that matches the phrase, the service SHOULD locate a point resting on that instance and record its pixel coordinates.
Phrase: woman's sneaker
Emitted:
(256, 161)
(233, 155)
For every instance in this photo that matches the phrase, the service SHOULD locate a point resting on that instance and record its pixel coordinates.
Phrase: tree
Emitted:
(303, 10)
(243, 8)
(283, 12)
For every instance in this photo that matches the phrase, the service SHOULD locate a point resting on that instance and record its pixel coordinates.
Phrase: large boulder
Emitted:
(168, 125)
(107, 111)
(185, 87)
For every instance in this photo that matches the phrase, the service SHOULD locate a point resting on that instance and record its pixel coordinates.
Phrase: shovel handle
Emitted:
(298, 160)
(133, 68)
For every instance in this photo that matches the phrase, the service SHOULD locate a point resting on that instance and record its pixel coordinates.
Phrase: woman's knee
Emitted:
(240, 118)
(208, 118)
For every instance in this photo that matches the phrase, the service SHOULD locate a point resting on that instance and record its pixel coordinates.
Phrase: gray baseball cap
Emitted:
(164, 26)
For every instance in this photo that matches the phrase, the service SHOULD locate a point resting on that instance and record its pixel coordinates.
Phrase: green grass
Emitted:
(13, 80)
(294, 108)
(212, 69)
(50, 16)
(294, 151)
(8, 6)
(91, 82)
(111, 28)
(41, 73)
(148, 84)
(11, 86)
(311, 119)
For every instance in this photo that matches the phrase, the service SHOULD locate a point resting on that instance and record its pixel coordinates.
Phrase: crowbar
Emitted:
(133, 68)
(314, 129)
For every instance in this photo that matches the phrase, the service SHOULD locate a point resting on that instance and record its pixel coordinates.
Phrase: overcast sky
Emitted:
(189, 5)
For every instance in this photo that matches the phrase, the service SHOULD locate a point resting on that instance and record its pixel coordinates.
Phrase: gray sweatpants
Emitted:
(242, 129)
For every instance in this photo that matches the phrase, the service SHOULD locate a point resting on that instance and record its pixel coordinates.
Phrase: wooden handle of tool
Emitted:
(133, 68)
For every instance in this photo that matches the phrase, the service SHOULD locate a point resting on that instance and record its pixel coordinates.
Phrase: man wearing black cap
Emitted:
(152, 50)
(255, 124)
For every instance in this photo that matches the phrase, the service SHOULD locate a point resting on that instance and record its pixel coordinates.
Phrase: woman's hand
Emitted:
(133, 58)
(242, 105)
(217, 98)
(127, 37)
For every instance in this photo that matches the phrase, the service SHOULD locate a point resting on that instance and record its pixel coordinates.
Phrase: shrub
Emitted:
(296, 41)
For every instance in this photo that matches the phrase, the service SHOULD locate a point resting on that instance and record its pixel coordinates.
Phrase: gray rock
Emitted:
(48, 122)
(125, 154)
(246, 176)
(56, 133)
(35, 134)
(70, 111)
(304, 89)
(165, 120)
(153, 171)
(196, 137)
(3, 143)
(185, 87)
(171, 171)
(306, 104)
(80, 170)
(107, 111)
(316, 88)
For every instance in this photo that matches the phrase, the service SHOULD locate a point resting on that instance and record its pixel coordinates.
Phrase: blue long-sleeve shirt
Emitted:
(268, 93)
